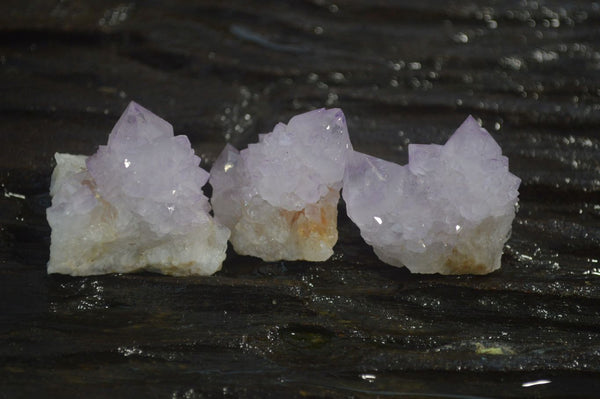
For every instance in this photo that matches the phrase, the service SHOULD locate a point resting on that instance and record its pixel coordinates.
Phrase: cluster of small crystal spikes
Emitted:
(137, 203)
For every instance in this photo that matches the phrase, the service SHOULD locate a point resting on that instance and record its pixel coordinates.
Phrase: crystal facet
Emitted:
(279, 196)
(135, 204)
(448, 211)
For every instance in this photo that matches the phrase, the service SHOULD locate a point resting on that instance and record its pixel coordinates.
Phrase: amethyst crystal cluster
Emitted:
(138, 202)
(279, 196)
(448, 211)
(135, 204)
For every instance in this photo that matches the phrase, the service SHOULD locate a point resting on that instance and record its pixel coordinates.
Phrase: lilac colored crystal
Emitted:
(154, 173)
(279, 196)
(448, 211)
(137, 203)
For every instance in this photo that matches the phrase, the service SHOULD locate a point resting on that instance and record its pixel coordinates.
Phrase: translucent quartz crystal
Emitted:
(279, 196)
(135, 204)
(448, 211)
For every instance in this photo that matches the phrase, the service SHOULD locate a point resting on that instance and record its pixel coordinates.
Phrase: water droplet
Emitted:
(338, 77)
(533, 383)
(461, 37)
(368, 377)
(415, 66)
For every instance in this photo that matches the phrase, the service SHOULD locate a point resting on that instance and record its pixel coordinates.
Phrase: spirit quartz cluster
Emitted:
(137, 204)
(448, 211)
(279, 196)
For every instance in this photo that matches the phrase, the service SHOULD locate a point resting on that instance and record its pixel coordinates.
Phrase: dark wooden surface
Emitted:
(403, 72)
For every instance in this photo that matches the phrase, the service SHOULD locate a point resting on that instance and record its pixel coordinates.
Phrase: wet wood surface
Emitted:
(403, 72)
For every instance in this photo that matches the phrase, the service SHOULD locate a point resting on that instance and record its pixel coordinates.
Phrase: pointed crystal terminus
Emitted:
(448, 211)
(279, 196)
(136, 204)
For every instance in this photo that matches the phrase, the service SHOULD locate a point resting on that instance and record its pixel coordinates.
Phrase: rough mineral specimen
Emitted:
(448, 211)
(279, 196)
(135, 204)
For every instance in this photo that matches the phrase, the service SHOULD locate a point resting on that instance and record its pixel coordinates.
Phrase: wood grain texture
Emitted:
(403, 72)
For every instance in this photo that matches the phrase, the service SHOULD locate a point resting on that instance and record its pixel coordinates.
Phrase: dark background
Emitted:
(403, 72)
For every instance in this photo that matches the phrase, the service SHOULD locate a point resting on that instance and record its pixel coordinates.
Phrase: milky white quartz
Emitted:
(448, 211)
(137, 204)
(279, 196)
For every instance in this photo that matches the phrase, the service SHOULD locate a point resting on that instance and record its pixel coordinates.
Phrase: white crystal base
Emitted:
(272, 233)
(474, 250)
(106, 240)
